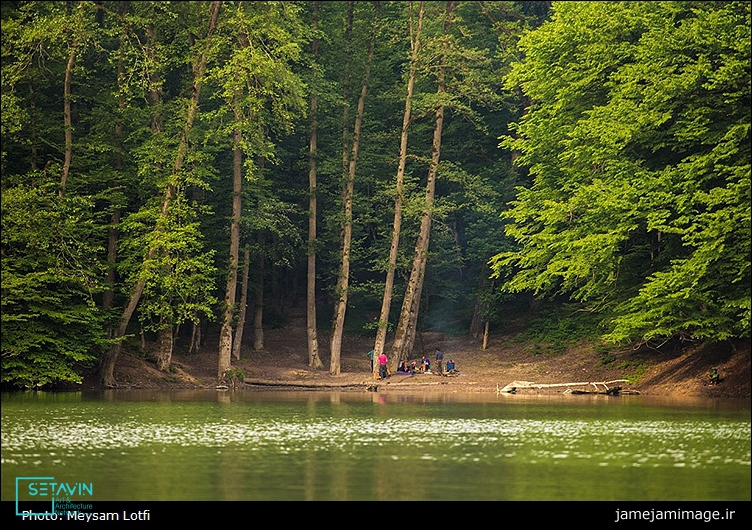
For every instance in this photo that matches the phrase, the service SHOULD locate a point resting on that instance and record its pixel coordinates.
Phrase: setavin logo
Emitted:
(30, 491)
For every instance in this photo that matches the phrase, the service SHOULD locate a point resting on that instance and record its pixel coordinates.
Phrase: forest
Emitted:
(175, 168)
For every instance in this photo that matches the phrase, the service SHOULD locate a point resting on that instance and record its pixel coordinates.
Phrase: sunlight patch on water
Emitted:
(620, 443)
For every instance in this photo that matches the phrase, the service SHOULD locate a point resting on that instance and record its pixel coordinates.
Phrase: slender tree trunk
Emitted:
(109, 294)
(347, 200)
(412, 325)
(258, 309)
(67, 117)
(346, 90)
(192, 343)
(314, 360)
(33, 128)
(107, 368)
(238, 338)
(334, 364)
(164, 351)
(112, 239)
(476, 322)
(404, 334)
(225, 335)
(196, 337)
(383, 325)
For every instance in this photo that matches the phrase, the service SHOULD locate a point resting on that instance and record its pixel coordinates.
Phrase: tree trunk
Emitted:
(476, 322)
(192, 343)
(225, 335)
(33, 128)
(258, 310)
(196, 337)
(412, 325)
(238, 339)
(335, 344)
(112, 239)
(314, 360)
(107, 368)
(164, 351)
(109, 294)
(67, 96)
(347, 199)
(383, 325)
(404, 334)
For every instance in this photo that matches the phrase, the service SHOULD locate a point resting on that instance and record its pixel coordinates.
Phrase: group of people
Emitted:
(413, 367)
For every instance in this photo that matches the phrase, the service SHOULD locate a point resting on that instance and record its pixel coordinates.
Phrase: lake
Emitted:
(320, 446)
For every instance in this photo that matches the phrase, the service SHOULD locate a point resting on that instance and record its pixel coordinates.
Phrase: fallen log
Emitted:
(512, 387)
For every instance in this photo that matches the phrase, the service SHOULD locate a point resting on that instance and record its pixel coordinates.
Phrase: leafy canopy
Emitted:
(637, 142)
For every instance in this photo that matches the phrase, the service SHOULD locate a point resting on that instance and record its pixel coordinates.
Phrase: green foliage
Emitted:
(179, 280)
(638, 142)
(51, 326)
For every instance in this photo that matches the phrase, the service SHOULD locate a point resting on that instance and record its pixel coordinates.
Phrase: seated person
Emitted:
(715, 377)
(425, 365)
(402, 366)
(450, 367)
(413, 367)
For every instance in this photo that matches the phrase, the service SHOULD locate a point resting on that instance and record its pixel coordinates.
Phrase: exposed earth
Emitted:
(283, 364)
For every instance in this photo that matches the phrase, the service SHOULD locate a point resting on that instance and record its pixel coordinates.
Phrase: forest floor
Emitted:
(283, 364)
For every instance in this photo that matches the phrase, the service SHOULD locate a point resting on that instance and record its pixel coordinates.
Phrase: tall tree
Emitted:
(225, 335)
(314, 359)
(405, 332)
(107, 368)
(415, 28)
(347, 202)
(264, 94)
(118, 163)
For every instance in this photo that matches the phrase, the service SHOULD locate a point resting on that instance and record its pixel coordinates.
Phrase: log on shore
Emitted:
(512, 387)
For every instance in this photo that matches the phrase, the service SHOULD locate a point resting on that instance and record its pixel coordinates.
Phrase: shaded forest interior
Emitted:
(206, 169)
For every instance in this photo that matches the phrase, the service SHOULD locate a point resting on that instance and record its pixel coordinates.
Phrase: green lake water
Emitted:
(268, 446)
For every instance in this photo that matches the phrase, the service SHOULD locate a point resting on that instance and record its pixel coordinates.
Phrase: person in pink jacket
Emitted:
(382, 366)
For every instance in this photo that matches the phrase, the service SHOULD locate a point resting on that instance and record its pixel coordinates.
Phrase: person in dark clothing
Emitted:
(439, 362)
(425, 364)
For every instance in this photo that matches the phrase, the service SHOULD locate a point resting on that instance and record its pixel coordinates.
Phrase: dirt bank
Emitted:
(283, 363)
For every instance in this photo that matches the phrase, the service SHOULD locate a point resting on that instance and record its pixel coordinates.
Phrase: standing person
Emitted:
(370, 356)
(439, 362)
(382, 366)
